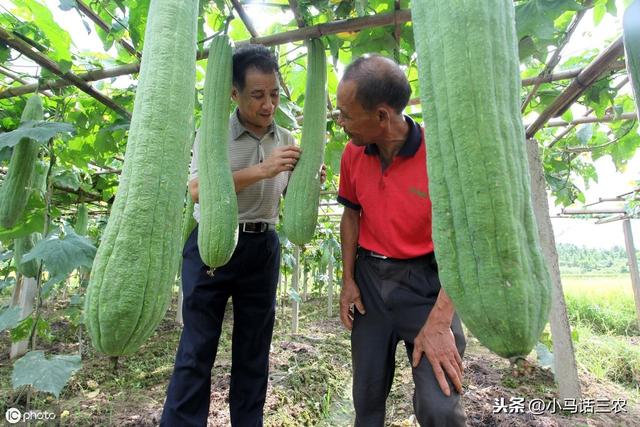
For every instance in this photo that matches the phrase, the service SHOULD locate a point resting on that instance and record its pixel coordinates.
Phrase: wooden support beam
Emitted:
(579, 211)
(85, 9)
(338, 26)
(577, 87)
(591, 119)
(89, 76)
(567, 74)
(42, 60)
(612, 218)
(244, 18)
(569, 128)
(354, 24)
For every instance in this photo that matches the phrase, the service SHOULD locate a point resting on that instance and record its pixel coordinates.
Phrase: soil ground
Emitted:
(309, 385)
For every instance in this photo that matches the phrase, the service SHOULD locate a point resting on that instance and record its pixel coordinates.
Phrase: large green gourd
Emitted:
(303, 191)
(14, 194)
(136, 263)
(631, 36)
(218, 227)
(82, 220)
(23, 245)
(484, 230)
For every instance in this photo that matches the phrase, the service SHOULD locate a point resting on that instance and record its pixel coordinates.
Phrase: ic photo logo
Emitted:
(13, 415)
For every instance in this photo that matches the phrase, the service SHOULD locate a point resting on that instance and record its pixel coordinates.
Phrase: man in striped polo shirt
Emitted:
(262, 156)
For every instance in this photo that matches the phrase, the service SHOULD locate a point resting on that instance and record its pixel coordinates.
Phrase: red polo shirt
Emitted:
(394, 204)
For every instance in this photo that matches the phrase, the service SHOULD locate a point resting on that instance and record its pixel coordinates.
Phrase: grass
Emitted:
(603, 303)
(603, 317)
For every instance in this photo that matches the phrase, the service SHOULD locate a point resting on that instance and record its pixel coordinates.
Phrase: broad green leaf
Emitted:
(294, 295)
(4, 53)
(536, 17)
(67, 178)
(47, 375)
(62, 253)
(9, 318)
(137, 22)
(59, 39)
(545, 357)
(10, 281)
(32, 220)
(584, 133)
(599, 10)
(41, 132)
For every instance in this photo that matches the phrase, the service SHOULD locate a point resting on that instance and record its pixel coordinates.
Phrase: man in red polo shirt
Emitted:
(390, 289)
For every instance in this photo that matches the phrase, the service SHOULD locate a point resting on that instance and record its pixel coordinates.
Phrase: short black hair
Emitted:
(379, 80)
(252, 56)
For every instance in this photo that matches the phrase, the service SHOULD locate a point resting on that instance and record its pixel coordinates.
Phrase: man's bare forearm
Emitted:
(442, 312)
(349, 229)
(241, 180)
(245, 177)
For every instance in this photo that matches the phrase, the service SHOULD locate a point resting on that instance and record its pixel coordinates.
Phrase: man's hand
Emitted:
(350, 298)
(282, 159)
(323, 173)
(436, 341)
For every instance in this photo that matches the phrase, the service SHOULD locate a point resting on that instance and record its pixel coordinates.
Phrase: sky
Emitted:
(611, 182)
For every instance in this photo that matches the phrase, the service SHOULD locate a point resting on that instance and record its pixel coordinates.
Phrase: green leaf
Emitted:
(599, 10)
(137, 22)
(62, 253)
(584, 133)
(4, 53)
(47, 375)
(59, 40)
(9, 318)
(32, 220)
(8, 282)
(41, 132)
(535, 17)
(67, 4)
(294, 295)
(68, 179)
(545, 357)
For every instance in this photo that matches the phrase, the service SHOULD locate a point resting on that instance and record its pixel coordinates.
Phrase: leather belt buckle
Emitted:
(377, 255)
(254, 227)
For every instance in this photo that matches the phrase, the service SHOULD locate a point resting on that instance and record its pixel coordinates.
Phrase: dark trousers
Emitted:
(250, 279)
(398, 296)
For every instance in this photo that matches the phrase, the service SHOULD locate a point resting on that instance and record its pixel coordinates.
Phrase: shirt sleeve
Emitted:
(193, 169)
(346, 190)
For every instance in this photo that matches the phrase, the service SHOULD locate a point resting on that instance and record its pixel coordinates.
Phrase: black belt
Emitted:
(372, 254)
(256, 227)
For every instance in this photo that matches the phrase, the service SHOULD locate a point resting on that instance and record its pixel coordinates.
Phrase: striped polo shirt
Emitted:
(260, 201)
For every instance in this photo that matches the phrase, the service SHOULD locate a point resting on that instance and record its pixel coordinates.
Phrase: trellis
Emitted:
(580, 80)
(608, 215)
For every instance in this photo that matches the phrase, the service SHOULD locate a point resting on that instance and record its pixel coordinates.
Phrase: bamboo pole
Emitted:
(42, 60)
(84, 8)
(569, 128)
(582, 120)
(577, 87)
(295, 278)
(330, 285)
